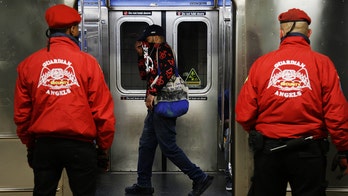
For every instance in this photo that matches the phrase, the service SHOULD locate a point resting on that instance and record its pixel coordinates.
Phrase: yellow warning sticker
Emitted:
(193, 79)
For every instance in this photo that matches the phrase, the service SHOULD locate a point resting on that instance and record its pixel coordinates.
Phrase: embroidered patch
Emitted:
(58, 75)
(290, 77)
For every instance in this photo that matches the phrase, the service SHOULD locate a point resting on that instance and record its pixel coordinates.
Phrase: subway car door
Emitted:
(125, 28)
(193, 36)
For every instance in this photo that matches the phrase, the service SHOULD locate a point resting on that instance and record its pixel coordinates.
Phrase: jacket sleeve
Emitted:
(167, 65)
(246, 106)
(142, 67)
(335, 108)
(102, 107)
(22, 109)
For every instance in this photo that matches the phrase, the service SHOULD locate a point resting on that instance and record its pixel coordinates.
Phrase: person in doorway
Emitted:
(63, 109)
(154, 52)
(289, 103)
(226, 135)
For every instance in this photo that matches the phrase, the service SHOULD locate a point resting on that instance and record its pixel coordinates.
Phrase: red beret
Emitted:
(62, 16)
(294, 15)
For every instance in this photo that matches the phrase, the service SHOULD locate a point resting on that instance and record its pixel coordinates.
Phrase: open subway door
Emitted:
(193, 37)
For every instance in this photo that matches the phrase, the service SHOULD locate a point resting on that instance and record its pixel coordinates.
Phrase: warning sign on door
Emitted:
(193, 80)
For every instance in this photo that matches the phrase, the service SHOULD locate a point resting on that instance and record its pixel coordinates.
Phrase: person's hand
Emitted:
(103, 159)
(341, 160)
(30, 157)
(139, 47)
(149, 101)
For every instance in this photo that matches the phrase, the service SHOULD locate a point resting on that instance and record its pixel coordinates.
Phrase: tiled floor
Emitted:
(165, 184)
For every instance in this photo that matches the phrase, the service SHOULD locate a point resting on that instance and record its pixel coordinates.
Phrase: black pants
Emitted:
(79, 159)
(304, 169)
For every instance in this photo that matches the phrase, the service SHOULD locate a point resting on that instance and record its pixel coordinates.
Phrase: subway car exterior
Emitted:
(215, 42)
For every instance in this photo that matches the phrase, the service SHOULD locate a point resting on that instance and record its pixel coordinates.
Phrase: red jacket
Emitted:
(294, 92)
(62, 93)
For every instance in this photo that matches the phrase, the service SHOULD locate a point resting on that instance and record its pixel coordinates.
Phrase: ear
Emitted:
(74, 30)
(281, 33)
(309, 33)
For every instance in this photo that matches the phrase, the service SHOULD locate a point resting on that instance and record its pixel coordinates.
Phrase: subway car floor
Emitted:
(164, 183)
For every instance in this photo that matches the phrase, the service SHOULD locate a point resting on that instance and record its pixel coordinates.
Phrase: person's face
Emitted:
(74, 31)
(150, 39)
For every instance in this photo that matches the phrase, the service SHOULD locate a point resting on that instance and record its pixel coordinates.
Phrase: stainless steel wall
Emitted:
(22, 32)
(257, 32)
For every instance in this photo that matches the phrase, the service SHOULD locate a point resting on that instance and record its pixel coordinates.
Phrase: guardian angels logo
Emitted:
(58, 75)
(290, 77)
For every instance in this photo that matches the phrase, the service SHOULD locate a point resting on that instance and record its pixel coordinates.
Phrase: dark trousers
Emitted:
(160, 131)
(304, 169)
(79, 158)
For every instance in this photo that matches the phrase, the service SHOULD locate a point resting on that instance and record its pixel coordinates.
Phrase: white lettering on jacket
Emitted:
(290, 77)
(58, 75)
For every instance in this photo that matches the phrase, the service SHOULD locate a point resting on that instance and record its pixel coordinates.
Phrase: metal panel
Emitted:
(14, 161)
(19, 39)
(16, 175)
(95, 34)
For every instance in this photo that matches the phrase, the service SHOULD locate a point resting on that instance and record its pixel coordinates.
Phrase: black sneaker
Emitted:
(139, 190)
(229, 185)
(199, 188)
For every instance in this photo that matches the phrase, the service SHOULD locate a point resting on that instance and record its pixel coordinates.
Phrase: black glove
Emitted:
(256, 140)
(30, 157)
(103, 159)
(340, 159)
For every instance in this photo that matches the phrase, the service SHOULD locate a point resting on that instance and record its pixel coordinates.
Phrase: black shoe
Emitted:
(199, 188)
(139, 190)
(229, 185)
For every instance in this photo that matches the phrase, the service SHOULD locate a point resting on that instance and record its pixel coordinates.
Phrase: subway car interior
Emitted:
(215, 43)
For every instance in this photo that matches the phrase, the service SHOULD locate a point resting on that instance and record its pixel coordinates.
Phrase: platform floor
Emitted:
(165, 184)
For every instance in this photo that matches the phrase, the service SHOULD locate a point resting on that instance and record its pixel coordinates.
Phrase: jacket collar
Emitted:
(296, 35)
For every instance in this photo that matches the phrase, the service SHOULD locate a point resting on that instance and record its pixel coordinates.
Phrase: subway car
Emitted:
(215, 43)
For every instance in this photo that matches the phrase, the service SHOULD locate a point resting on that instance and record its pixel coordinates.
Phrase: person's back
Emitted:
(65, 73)
(291, 83)
(63, 109)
